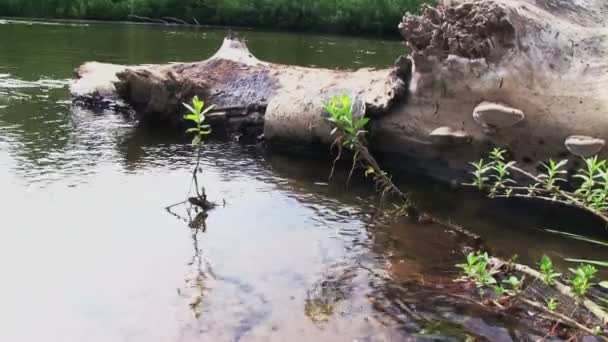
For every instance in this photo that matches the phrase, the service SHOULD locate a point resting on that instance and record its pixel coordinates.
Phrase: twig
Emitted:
(152, 20)
(574, 201)
(176, 204)
(595, 309)
(196, 21)
(553, 200)
(177, 20)
(565, 319)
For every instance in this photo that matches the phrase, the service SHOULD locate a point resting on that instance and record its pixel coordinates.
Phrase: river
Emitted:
(88, 252)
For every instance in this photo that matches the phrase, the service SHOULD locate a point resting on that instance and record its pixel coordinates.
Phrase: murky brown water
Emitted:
(88, 253)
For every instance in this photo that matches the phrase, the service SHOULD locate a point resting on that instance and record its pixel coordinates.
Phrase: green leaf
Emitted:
(192, 130)
(198, 105)
(192, 117)
(210, 108)
(190, 108)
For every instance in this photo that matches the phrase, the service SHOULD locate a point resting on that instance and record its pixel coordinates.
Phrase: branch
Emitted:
(152, 20)
(552, 200)
(565, 194)
(176, 20)
(565, 319)
(595, 309)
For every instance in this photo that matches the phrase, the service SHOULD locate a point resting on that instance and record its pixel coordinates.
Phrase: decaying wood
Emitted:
(284, 101)
(521, 74)
(527, 75)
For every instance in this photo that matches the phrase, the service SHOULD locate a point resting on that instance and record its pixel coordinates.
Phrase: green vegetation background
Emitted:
(373, 17)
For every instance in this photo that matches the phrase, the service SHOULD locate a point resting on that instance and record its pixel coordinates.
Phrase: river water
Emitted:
(88, 253)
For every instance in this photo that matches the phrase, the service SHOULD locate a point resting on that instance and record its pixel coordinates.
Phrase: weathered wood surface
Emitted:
(527, 75)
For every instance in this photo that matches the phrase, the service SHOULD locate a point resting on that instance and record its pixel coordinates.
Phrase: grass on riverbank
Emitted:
(377, 17)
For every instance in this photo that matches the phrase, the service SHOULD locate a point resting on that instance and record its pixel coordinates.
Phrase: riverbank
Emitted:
(365, 17)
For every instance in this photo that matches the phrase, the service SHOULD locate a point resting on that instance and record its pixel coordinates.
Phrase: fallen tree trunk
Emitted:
(527, 75)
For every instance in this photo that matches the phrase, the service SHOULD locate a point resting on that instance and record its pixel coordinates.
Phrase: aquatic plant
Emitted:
(196, 116)
(552, 304)
(599, 263)
(591, 195)
(549, 274)
(349, 132)
(583, 275)
(477, 270)
(484, 270)
(515, 284)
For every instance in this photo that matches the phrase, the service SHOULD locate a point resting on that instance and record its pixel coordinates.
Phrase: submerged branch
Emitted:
(575, 202)
(595, 309)
(563, 318)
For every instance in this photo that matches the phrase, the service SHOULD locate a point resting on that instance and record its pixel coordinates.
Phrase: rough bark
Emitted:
(285, 102)
(525, 75)
(528, 75)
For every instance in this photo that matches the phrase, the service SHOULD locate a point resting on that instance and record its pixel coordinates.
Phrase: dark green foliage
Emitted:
(344, 16)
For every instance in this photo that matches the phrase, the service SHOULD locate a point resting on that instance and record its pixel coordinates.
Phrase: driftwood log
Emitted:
(527, 75)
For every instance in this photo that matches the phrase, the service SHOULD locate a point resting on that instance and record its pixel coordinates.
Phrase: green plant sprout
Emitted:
(479, 173)
(200, 130)
(482, 270)
(597, 330)
(552, 304)
(515, 285)
(549, 274)
(495, 176)
(583, 275)
(341, 115)
(197, 116)
(349, 132)
(476, 269)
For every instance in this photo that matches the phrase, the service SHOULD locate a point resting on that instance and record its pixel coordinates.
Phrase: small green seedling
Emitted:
(597, 331)
(197, 116)
(496, 177)
(582, 278)
(546, 268)
(480, 169)
(500, 290)
(340, 110)
(476, 269)
(515, 285)
(473, 259)
(552, 304)
(554, 173)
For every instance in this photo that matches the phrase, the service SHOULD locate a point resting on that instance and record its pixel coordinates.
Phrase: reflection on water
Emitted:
(88, 252)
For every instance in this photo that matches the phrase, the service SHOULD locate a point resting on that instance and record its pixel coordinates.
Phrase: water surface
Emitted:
(88, 253)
